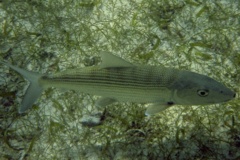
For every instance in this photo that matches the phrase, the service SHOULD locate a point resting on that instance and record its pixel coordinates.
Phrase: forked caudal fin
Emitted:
(33, 91)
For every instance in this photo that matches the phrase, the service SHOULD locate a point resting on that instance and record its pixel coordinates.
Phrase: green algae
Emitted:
(47, 37)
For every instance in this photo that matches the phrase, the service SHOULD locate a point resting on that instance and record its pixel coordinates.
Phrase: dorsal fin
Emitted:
(110, 60)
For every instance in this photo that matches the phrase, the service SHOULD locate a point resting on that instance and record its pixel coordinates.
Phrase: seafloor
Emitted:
(48, 36)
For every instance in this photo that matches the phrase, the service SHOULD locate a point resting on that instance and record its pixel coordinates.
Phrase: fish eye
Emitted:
(203, 92)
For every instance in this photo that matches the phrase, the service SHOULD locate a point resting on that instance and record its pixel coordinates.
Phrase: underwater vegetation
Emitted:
(48, 37)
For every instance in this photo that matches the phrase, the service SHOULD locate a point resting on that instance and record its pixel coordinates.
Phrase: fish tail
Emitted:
(33, 91)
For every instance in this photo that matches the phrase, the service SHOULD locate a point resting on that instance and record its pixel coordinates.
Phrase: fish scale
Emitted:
(121, 83)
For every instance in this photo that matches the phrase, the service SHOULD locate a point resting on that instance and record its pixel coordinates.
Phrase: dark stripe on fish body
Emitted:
(128, 77)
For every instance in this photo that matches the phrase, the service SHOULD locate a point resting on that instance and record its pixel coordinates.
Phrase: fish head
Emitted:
(196, 89)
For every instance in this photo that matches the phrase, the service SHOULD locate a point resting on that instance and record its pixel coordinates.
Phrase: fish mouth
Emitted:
(234, 96)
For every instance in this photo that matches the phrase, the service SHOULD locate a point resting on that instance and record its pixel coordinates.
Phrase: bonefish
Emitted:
(118, 80)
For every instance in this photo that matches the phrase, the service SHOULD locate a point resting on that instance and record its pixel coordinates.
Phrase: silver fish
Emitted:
(117, 80)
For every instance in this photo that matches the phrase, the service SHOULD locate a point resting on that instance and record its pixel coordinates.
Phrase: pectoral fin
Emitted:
(104, 101)
(156, 108)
